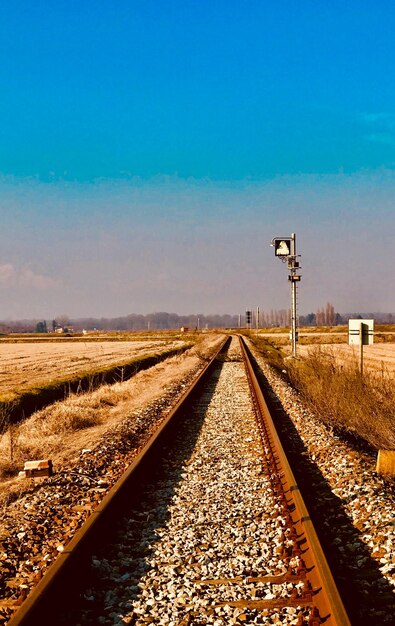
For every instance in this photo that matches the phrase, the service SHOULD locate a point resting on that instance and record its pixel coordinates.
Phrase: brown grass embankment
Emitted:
(23, 404)
(360, 405)
(60, 431)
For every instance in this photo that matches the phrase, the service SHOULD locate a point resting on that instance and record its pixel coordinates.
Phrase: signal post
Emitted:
(285, 249)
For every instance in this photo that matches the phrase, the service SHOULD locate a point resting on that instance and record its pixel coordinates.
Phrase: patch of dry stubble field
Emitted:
(27, 365)
(377, 357)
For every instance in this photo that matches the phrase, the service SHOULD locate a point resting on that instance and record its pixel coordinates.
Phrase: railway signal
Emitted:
(285, 249)
(282, 247)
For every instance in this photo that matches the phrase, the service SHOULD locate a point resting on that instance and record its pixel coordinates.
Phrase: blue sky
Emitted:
(149, 151)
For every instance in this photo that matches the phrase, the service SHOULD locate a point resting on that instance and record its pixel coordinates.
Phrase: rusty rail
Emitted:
(319, 588)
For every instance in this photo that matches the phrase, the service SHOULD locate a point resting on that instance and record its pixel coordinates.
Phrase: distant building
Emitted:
(184, 329)
(66, 329)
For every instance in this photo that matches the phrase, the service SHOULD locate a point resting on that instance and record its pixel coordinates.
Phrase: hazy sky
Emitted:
(150, 150)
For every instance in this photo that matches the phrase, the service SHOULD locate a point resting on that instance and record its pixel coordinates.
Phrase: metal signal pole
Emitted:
(292, 278)
(285, 249)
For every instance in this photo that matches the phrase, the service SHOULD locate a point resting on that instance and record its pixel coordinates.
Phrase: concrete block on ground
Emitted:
(386, 462)
(42, 467)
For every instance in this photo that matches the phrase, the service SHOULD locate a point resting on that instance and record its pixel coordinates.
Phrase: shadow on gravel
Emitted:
(121, 564)
(368, 597)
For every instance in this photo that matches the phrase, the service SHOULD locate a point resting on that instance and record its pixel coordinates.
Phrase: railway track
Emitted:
(211, 527)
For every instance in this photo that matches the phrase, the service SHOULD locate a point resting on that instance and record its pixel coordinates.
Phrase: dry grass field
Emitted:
(378, 357)
(334, 339)
(27, 365)
(384, 333)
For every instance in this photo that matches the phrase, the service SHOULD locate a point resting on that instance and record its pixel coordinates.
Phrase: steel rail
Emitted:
(327, 605)
(41, 604)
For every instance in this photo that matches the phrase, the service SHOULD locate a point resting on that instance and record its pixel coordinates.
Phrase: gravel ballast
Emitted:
(356, 506)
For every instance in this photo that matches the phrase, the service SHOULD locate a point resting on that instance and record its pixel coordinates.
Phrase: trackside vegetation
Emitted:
(361, 406)
(269, 349)
(346, 400)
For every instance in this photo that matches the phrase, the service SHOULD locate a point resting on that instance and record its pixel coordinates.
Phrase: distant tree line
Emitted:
(274, 317)
(324, 316)
(157, 321)
(151, 321)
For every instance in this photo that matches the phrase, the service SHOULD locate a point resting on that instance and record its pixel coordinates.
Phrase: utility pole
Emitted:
(285, 249)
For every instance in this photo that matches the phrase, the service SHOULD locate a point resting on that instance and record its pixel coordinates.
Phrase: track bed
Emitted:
(208, 532)
(209, 527)
(211, 532)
